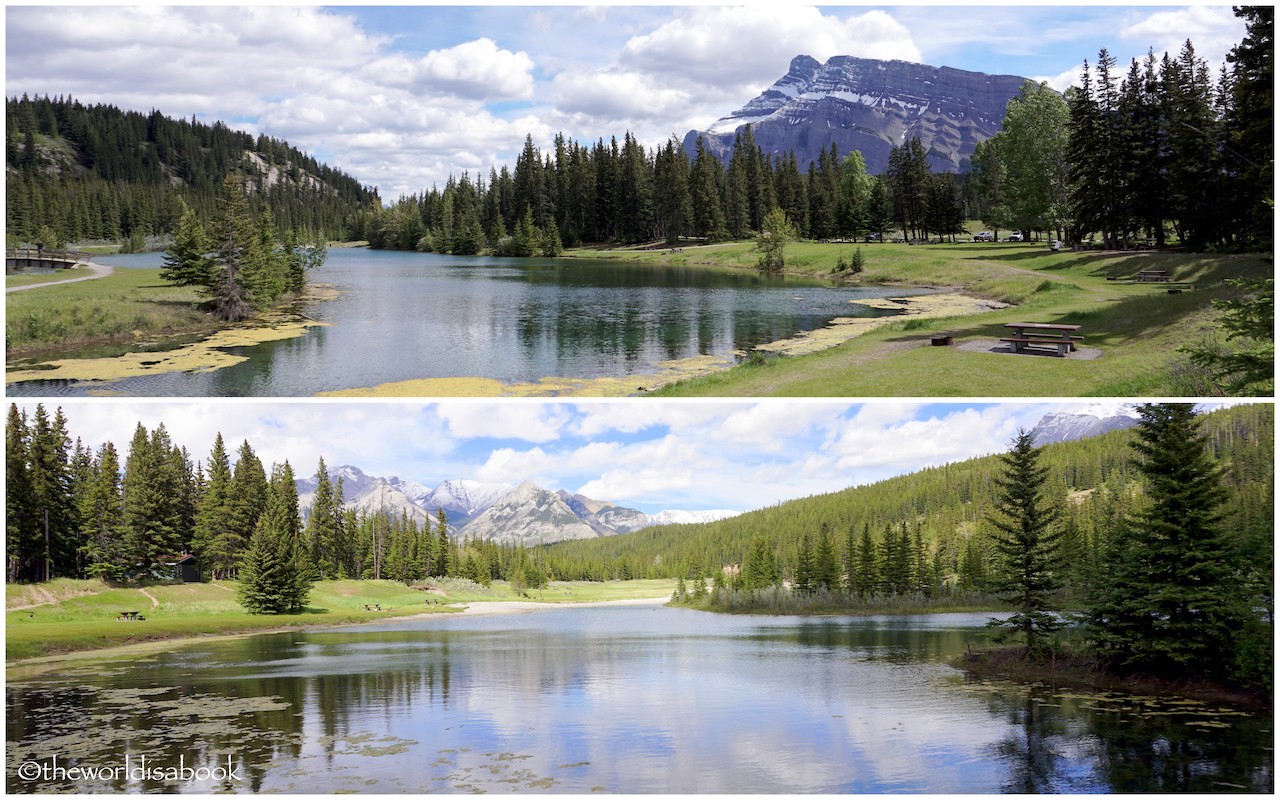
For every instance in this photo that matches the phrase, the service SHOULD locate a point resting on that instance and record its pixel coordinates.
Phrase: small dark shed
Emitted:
(185, 567)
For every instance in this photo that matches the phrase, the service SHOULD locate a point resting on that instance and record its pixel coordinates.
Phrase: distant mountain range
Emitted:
(870, 105)
(1092, 420)
(524, 514)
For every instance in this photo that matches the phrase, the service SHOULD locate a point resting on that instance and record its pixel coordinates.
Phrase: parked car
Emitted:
(1014, 237)
(1054, 244)
(983, 236)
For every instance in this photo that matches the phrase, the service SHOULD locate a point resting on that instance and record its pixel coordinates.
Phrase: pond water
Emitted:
(634, 699)
(400, 316)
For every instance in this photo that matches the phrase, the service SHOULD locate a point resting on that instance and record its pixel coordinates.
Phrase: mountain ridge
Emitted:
(869, 105)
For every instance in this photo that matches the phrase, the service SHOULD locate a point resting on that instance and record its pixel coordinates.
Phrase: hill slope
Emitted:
(1093, 480)
(97, 172)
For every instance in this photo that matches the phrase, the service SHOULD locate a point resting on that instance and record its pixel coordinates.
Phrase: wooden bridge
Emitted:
(17, 259)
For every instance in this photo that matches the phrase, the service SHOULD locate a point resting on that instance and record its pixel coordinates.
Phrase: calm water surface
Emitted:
(638, 699)
(401, 316)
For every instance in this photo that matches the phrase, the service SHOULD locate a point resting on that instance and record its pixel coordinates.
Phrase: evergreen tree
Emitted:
(826, 564)
(275, 571)
(186, 261)
(802, 580)
(444, 558)
(1170, 600)
(101, 516)
(321, 525)
(1026, 543)
(217, 547)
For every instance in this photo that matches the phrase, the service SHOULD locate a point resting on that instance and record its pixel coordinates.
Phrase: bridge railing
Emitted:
(45, 254)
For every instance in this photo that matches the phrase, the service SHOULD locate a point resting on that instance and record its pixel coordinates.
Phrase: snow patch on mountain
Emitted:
(1091, 420)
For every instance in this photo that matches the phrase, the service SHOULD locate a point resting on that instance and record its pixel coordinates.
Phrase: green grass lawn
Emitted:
(125, 306)
(64, 615)
(1136, 328)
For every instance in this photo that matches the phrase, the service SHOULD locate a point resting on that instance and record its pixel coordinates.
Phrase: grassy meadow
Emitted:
(1133, 329)
(127, 306)
(65, 615)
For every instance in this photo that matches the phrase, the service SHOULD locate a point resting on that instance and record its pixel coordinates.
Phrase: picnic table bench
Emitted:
(1062, 337)
(372, 606)
(1154, 276)
(130, 616)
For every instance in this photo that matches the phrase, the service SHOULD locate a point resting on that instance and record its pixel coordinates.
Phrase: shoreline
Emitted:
(937, 304)
(24, 668)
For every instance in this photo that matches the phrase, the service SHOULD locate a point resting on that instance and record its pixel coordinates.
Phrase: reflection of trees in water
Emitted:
(1114, 743)
(1183, 752)
(1033, 750)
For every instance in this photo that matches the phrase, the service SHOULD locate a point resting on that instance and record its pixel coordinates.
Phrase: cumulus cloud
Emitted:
(529, 422)
(754, 44)
(923, 442)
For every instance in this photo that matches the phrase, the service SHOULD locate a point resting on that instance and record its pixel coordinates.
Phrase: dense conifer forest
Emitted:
(76, 172)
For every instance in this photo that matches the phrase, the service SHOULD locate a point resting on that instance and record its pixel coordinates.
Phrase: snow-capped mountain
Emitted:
(1091, 420)
(364, 493)
(497, 511)
(870, 105)
(529, 515)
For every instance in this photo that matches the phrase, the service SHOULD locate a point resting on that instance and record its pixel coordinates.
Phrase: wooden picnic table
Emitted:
(128, 616)
(1062, 337)
(1154, 276)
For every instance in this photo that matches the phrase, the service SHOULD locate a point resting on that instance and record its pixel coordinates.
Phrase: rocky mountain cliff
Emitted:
(496, 511)
(1092, 420)
(870, 105)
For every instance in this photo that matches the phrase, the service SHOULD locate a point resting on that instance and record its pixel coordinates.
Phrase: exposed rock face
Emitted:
(605, 518)
(495, 511)
(870, 105)
(1092, 420)
(530, 516)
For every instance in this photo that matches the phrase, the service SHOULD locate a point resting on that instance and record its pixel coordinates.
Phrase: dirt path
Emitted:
(154, 602)
(45, 599)
(98, 270)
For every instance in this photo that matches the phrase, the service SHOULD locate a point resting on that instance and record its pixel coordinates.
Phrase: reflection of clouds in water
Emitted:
(641, 699)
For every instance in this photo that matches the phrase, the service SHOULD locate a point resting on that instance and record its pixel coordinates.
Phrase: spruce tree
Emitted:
(322, 524)
(826, 564)
(219, 551)
(101, 517)
(1170, 601)
(1025, 541)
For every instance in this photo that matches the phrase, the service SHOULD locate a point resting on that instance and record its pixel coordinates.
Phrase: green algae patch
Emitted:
(206, 355)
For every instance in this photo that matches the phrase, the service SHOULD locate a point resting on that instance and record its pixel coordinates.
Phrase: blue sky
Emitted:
(403, 96)
(650, 455)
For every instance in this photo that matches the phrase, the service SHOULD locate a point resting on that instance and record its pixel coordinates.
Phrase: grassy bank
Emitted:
(1132, 330)
(126, 307)
(65, 616)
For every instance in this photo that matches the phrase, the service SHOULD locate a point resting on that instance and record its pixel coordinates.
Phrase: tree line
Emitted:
(78, 172)
(611, 192)
(78, 511)
(1130, 157)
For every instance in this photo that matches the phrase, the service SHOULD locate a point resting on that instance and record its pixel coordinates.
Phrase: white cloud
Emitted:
(913, 444)
(752, 45)
(612, 94)
(529, 422)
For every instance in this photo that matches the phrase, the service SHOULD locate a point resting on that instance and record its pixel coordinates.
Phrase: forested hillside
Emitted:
(929, 530)
(76, 172)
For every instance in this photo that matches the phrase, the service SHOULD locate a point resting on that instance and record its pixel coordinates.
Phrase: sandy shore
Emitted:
(526, 606)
